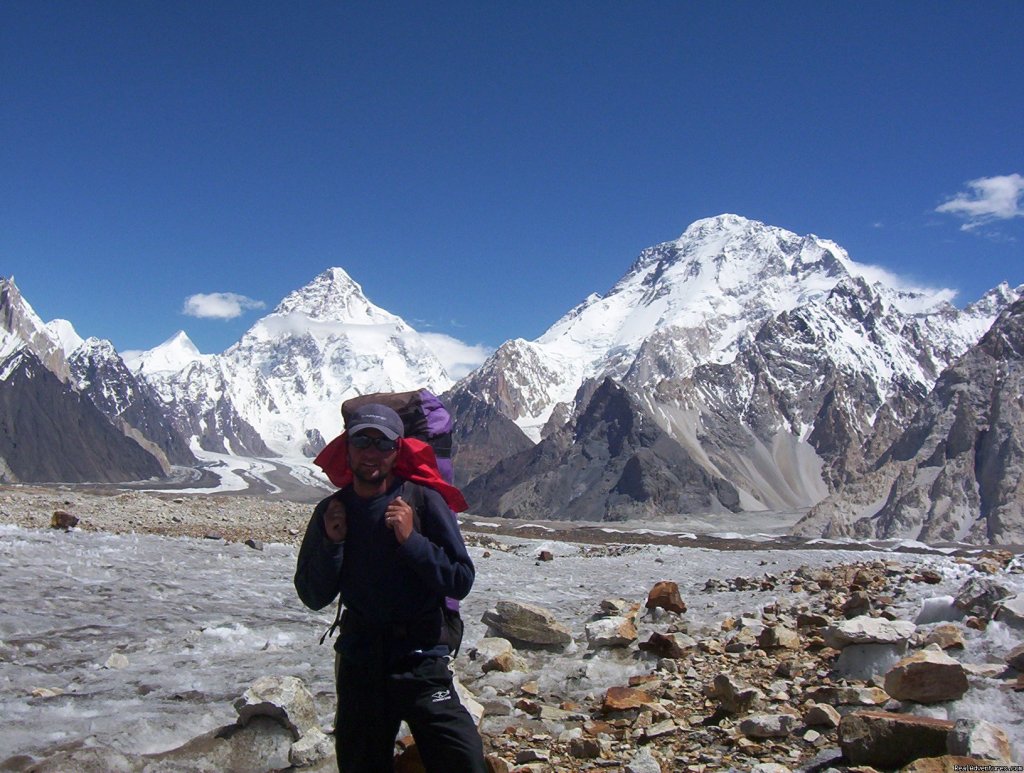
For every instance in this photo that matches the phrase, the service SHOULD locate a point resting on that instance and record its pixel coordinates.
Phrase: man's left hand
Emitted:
(398, 518)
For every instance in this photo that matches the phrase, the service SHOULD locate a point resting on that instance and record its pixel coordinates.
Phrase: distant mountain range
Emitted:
(740, 367)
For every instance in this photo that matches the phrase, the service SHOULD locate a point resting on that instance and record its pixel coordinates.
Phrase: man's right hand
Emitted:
(335, 521)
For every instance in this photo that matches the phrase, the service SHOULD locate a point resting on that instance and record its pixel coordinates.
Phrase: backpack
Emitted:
(425, 418)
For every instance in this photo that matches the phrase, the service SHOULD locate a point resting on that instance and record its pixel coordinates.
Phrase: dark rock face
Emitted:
(612, 463)
(51, 433)
(102, 376)
(957, 471)
(482, 435)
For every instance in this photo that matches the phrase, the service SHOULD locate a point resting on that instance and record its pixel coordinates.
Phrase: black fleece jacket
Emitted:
(390, 588)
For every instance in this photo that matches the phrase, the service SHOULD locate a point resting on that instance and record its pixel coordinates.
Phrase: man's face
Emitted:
(370, 464)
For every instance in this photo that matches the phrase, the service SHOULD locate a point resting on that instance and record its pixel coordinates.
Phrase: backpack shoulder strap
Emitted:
(413, 494)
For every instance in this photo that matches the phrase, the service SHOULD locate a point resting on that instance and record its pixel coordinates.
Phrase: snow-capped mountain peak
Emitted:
(174, 354)
(334, 296)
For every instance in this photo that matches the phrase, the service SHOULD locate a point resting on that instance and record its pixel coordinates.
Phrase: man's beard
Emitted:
(374, 475)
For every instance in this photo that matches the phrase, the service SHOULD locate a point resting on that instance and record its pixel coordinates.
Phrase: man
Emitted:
(393, 571)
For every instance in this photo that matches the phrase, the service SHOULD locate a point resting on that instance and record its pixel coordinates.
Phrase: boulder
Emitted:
(1010, 611)
(859, 603)
(284, 698)
(528, 624)
(978, 738)
(668, 645)
(496, 654)
(948, 636)
(868, 630)
(776, 637)
(1015, 658)
(314, 747)
(885, 740)
(769, 725)
(979, 596)
(611, 632)
(62, 519)
(665, 595)
(822, 715)
(734, 696)
(643, 762)
(927, 676)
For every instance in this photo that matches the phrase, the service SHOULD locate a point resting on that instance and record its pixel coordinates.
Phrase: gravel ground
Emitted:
(235, 518)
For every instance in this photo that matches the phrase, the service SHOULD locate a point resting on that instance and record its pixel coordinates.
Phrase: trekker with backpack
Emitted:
(393, 569)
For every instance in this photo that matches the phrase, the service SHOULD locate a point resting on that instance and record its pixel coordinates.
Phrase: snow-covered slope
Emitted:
(286, 378)
(21, 327)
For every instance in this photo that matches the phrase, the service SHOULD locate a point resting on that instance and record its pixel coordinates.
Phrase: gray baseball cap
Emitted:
(375, 416)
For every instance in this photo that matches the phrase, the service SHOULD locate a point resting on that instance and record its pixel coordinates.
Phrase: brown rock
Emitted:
(585, 748)
(1015, 658)
(545, 555)
(928, 676)
(496, 764)
(668, 645)
(858, 604)
(948, 636)
(624, 699)
(887, 740)
(822, 715)
(62, 519)
(778, 637)
(665, 595)
(811, 620)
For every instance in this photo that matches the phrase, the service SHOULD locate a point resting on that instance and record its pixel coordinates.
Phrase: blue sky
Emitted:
(481, 167)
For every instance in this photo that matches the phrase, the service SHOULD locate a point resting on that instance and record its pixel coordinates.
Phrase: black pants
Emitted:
(372, 702)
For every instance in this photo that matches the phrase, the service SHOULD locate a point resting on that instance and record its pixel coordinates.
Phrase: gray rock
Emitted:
(769, 725)
(314, 747)
(1010, 611)
(980, 596)
(643, 762)
(734, 696)
(978, 738)
(527, 623)
(611, 632)
(284, 698)
(868, 630)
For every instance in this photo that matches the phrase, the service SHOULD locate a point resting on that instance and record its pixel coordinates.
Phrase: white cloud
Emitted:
(219, 305)
(916, 296)
(989, 199)
(458, 357)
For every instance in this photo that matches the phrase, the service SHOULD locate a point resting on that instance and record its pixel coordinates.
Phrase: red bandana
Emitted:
(415, 462)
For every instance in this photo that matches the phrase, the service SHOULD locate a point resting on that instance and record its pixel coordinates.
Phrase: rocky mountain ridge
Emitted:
(956, 472)
(775, 362)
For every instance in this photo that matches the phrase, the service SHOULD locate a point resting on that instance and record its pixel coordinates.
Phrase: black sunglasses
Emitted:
(365, 441)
